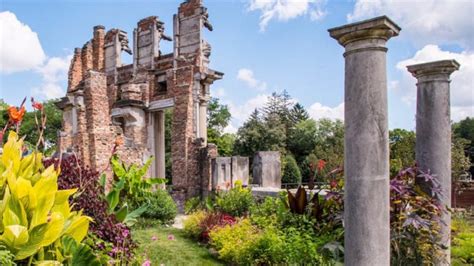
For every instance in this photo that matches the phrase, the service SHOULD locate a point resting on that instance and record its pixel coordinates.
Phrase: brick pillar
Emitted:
(98, 48)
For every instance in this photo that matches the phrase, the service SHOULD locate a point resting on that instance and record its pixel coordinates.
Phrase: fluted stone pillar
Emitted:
(160, 152)
(433, 132)
(366, 150)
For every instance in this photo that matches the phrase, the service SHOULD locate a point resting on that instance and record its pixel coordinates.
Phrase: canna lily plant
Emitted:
(37, 224)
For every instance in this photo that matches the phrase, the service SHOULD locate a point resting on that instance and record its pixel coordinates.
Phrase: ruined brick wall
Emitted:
(107, 100)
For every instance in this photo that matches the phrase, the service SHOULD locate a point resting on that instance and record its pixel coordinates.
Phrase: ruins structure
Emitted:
(107, 99)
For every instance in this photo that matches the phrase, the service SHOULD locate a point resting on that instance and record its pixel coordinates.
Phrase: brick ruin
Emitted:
(107, 99)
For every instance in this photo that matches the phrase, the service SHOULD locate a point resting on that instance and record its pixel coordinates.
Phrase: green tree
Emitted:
(465, 129)
(28, 126)
(291, 171)
(402, 149)
(250, 135)
(298, 114)
(302, 139)
(218, 118)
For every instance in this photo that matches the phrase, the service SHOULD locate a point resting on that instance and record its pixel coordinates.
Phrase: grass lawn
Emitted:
(180, 251)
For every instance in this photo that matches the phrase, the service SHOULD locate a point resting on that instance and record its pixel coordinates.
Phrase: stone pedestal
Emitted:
(221, 173)
(433, 132)
(240, 170)
(267, 169)
(366, 150)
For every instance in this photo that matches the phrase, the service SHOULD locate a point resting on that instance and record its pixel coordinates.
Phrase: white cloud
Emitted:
(20, 48)
(318, 111)
(427, 21)
(462, 81)
(284, 10)
(54, 73)
(246, 75)
(240, 113)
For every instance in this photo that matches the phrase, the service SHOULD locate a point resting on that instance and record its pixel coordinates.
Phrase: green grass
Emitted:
(181, 251)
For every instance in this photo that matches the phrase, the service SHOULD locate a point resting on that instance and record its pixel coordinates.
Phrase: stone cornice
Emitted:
(442, 68)
(376, 28)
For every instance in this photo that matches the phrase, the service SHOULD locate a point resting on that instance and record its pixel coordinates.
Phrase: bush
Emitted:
(291, 171)
(37, 218)
(234, 243)
(192, 225)
(236, 201)
(161, 206)
(462, 249)
(90, 199)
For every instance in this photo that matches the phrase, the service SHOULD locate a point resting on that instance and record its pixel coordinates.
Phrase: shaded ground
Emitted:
(180, 251)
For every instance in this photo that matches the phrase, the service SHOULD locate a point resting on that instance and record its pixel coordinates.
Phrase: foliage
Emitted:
(130, 187)
(402, 149)
(218, 118)
(465, 129)
(36, 219)
(234, 243)
(192, 225)
(6, 257)
(161, 206)
(303, 138)
(91, 199)
(414, 219)
(291, 171)
(462, 249)
(236, 201)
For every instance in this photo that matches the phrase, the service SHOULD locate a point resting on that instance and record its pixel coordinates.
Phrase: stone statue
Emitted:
(123, 39)
(161, 29)
(205, 18)
(206, 49)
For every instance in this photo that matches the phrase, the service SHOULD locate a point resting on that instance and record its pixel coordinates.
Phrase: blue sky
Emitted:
(261, 45)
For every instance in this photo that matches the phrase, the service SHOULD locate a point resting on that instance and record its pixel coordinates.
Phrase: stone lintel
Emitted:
(376, 28)
(161, 104)
(436, 69)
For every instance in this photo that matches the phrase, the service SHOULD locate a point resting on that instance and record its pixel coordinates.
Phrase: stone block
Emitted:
(240, 170)
(267, 169)
(221, 172)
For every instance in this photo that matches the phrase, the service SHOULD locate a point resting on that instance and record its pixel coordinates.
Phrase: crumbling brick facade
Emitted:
(106, 99)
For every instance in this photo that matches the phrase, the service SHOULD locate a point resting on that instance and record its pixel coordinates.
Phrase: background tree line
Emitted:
(281, 125)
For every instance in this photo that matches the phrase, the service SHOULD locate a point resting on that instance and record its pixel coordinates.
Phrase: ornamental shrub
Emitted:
(90, 199)
(192, 225)
(36, 218)
(236, 201)
(291, 171)
(160, 206)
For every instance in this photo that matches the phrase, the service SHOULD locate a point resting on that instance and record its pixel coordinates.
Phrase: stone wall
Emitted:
(267, 169)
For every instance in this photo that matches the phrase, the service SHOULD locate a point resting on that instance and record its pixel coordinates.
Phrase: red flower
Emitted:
(333, 183)
(321, 164)
(16, 115)
(37, 106)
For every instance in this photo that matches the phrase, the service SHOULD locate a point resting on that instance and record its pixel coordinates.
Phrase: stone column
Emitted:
(433, 132)
(160, 152)
(366, 150)
(203, 121)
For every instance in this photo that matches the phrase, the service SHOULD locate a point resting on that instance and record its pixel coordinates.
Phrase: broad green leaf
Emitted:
(34, 242)
(63, 195)
(112, 199)
(15, 236)
(48, 263)
(117, 166)
(122, 213)
(54, 229)
(15, 213)
(102, 180)
(131, 218)
(83, 256)
(78, 227)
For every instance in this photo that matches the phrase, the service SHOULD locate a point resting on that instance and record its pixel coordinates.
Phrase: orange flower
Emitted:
(37, 105)
(321, 164)
(16, 115)
(118, 141)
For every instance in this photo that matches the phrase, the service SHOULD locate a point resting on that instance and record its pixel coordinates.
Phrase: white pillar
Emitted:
(203, 121)
(366, 150)
(160, 152)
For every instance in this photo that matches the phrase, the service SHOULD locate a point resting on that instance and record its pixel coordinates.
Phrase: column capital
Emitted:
(436, 70)
(381, 28)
